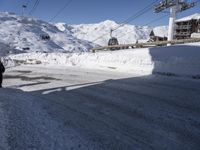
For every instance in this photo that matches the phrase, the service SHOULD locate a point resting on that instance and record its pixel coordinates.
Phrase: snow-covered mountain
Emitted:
(126, 34)
(25, 34)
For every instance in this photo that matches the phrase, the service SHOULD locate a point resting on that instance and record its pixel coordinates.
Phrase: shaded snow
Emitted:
(30, 126)
(3, 127)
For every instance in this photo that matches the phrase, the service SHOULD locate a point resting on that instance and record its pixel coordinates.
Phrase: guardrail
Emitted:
(144, 45)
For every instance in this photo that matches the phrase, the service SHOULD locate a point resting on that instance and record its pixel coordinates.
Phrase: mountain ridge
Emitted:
(126, 34)
(26, 35)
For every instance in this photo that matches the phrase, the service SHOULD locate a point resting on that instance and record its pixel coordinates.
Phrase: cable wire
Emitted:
(59, 11)
(34, 7)
(155, 20)
(152, 21)
(27, 3)
(138, 14)
(131, 18)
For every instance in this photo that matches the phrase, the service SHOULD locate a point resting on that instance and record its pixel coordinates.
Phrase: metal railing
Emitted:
(143, 45)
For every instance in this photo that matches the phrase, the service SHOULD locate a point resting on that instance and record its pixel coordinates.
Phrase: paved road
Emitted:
(74, 108)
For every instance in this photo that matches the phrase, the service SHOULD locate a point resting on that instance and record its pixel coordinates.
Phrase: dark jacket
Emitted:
(2, 68)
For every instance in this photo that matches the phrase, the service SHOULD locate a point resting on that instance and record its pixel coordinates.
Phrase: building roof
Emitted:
(195, 16)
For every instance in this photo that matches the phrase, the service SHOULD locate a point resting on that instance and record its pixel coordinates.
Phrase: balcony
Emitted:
(182, 34)
(181, 27)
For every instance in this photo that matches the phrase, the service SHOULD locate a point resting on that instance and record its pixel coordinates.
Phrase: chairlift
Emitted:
(113, 41)
(45, 37)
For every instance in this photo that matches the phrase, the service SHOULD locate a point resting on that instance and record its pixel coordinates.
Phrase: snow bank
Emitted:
(195, 35)
(181, 60)
(129, 60)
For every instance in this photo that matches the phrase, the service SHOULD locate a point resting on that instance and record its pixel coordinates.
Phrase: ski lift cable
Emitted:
(158, 19)
(27, 3)
(152, 21)
(60, 11)
(119, 26)
(34, 7)
(138, 14)
(133, 17)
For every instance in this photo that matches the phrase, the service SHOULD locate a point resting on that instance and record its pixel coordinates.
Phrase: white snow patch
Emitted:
(195, 35)
(195, 16)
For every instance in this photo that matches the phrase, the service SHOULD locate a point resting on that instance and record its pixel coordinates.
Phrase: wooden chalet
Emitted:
(155, 38)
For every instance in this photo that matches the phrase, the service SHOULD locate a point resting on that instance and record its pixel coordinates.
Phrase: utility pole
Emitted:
(172, 19)
(175, 6)
(23, 9)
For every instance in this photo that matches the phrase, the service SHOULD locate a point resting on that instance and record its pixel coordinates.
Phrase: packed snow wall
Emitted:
(180, 60)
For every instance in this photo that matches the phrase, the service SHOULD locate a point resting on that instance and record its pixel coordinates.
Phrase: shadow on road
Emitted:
(142, 112)
(148, 112)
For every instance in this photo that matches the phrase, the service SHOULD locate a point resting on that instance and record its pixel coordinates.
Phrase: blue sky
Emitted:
(91, 11)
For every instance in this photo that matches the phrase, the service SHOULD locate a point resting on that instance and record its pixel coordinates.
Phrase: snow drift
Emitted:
(180, 60)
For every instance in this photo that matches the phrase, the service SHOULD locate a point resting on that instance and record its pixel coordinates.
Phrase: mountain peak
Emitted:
(27, 34)
(108, 22)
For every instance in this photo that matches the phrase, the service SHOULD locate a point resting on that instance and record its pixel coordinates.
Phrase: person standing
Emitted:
(2, 70)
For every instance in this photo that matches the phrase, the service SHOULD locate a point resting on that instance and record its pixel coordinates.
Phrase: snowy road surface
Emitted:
(70, 108)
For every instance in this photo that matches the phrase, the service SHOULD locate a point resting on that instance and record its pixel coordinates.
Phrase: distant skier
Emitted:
(2, 70)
